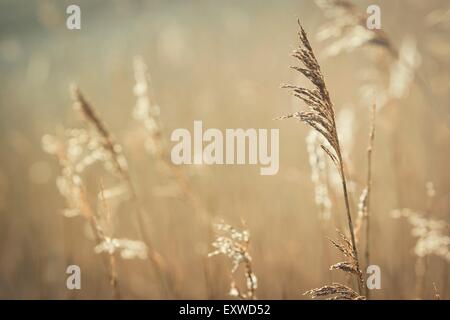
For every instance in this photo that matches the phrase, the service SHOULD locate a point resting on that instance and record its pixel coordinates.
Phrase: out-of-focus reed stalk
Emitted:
(147, 111)
(119, 165)
(369, 189)
(432, 239)
(112, 259)
(74, 192)
(364, 200)
(348, 26)
(113, 151)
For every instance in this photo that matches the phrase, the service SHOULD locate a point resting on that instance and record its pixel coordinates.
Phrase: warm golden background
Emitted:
(221, 62)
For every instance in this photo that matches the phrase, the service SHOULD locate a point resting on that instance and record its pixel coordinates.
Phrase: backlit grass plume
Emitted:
(235, 245)
(335, 291)
(320, 116)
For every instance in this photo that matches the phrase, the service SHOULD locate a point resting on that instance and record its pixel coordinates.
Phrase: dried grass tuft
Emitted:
(335, 291)
(321, 117)
(235, 245)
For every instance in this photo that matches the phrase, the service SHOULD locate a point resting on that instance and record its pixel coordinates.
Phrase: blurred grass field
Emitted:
(222, 63)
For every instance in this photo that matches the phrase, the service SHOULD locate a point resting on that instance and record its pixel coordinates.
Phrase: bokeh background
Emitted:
(221, 62)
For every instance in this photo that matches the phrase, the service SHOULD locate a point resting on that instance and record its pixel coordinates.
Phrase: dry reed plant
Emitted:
(72, 188)
(364, 199)
(347, 31)
(86, 147)
(147, 111)
(430, 233)
(115, 160)
(432, 239)
(113, 157)
(321, 117)
(235, 245)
